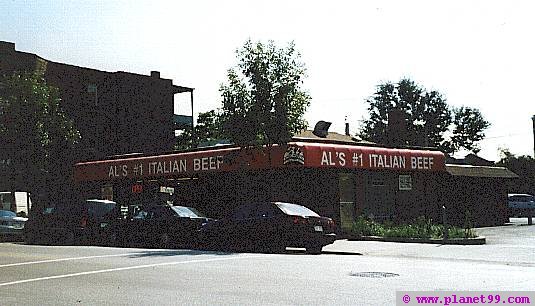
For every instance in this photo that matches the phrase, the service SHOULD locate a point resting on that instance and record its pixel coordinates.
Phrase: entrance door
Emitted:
(347, 191)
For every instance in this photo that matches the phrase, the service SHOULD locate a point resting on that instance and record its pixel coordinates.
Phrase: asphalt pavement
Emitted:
(511, 244)
(346, 273)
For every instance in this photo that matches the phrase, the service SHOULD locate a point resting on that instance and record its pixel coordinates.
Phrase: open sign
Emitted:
(137, 188)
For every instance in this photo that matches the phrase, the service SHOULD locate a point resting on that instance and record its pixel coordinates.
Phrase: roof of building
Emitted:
(470, 159)
(332, 137)
(480, 171)
(9, 47)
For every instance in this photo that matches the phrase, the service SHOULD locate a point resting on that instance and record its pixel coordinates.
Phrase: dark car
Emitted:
(271, 226)
(78, 222)
(161, 226)
(11, 226)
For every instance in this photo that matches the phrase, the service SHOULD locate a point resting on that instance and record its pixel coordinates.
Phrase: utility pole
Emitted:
(530, 211)
(192, 125)
(533, 119)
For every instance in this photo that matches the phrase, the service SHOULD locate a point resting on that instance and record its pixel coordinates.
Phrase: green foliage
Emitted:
(468, 224)
(524, 167)
(429, 120)
(421, 228)
(263, 102)
(365, 227)
(208, 128)
(37, 140)
(469, 126)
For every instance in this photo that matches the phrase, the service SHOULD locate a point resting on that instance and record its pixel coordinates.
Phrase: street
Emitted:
(347, 273)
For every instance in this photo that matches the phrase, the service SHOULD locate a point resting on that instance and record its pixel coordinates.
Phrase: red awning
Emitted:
(296, 154)
(360, 157)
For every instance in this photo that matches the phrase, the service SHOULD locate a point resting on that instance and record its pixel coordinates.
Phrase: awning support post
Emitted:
(445, 224)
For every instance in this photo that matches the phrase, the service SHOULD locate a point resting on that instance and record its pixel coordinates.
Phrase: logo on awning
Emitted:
(294, 155)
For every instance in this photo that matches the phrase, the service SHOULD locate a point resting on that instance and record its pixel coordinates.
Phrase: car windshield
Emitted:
(296, 210)
(7, 213)
(188, 212)
(99, 208)
(521, 198)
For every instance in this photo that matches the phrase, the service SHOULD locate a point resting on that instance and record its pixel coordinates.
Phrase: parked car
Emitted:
(519, 204)
(271, 226)
(161, 226)
(11, 226)
(78, 222)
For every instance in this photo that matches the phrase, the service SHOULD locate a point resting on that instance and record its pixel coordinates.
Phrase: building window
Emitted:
(378, 182)
(92, 88)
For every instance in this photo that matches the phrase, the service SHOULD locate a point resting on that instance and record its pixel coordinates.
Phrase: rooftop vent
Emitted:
(321, 129)
(155, 74)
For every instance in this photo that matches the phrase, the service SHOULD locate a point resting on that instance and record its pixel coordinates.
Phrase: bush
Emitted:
(422, 228)
(364, 227)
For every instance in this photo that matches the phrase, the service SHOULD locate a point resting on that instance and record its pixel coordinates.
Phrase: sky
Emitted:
(475, 53)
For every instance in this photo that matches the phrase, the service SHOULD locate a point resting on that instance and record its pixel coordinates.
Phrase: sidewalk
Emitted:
(512, 245)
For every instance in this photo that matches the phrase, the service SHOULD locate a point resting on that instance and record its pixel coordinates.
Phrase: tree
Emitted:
(469, 126)
(208, 129)
(263, 102)
(524, 167)
(427, 119)
(37, 140)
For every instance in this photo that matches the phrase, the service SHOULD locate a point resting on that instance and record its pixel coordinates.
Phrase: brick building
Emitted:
(115, 112)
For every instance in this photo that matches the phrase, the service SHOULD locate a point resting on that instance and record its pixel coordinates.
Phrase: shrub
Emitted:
(422, 228)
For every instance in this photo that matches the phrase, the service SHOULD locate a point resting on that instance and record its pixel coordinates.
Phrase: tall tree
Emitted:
(469, 126)
(37, 140)
(263, 102)
(427, 119)
(524, 167)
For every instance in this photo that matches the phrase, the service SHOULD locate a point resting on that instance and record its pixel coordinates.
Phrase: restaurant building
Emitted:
(338, 180)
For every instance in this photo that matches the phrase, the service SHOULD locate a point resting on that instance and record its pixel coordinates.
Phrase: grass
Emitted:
(421, 228)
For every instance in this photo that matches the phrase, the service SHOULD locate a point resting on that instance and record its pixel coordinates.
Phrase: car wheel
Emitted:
(272, 246)
(277, 248)
(114, 240)
(67, 237)
(61, 237)
(164, 241)
(30, 239)
(314, 249)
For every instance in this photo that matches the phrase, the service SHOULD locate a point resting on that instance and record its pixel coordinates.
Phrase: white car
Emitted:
(11, 226)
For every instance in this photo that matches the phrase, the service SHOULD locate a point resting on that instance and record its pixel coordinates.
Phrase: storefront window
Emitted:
(107, 193)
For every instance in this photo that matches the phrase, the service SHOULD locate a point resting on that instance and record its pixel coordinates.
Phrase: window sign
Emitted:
(169, 190)
(137, 188)
(405, 182)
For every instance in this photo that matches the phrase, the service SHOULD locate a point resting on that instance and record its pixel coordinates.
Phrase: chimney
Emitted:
(396, 128)
(155, 74)
(7, 47)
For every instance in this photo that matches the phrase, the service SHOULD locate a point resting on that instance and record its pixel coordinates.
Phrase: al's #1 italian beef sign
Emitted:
(346, 156)
(309, 155)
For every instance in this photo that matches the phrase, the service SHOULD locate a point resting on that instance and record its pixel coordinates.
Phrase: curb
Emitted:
(456, 241)
(340, 253)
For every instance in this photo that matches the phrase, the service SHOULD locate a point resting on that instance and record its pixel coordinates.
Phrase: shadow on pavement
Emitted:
(167, 253)
(139, 252)
(195, 252)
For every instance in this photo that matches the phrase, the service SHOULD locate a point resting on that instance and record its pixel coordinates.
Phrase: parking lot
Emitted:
(86, 275)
